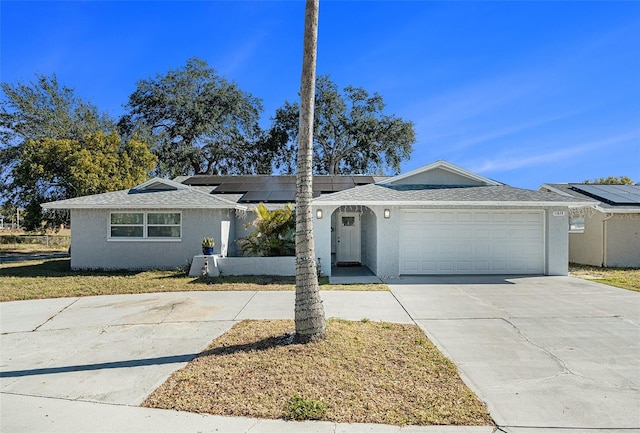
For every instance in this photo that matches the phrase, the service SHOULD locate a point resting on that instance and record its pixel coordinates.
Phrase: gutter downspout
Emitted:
(604, 240)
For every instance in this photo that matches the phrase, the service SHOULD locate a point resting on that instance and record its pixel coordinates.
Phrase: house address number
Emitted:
(559, 213)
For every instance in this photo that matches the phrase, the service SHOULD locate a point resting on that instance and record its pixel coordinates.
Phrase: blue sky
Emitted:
(521, 92)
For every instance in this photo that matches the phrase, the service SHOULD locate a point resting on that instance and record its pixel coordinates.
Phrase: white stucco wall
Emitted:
(586, 248)
(388, 233)
(322, 237)
(369, 239)
(556, 241)
(623, 241)
(91, 249)
(240, 232)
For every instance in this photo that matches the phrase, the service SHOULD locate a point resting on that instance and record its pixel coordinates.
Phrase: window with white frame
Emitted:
(145, 225)
(576, 224)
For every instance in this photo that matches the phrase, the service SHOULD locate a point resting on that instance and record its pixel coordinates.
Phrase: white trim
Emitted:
(616, 211)
(446, 166)
(556, 190)
(144, 239)
(53, 205)
(143, 186)
(451, 203)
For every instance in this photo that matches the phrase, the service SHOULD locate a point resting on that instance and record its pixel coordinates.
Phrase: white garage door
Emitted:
(471, 242)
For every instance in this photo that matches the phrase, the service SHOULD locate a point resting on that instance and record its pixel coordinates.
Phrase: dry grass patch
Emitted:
(38, 279)
(626, 278)
(364, 372)
(9, 250)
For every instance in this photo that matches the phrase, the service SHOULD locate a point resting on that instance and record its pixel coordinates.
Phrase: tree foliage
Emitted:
(352, 135)
(200, 123)
(55, 146)
(50, 169)
(45, 109)
(37, 110)
(274, 233)
(622, 180)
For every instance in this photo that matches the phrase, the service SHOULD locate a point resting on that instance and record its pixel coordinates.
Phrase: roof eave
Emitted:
(48, 206)
(454, 203)
(616, 211)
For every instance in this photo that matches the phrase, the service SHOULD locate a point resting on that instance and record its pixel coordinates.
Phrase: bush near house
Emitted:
(274, 233)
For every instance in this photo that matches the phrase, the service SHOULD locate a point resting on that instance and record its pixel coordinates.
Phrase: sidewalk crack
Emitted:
(557, 359)
(235, 318)
(52, 317)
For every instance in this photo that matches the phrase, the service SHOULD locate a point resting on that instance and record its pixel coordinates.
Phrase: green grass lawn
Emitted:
(626, 278)
(38, 279)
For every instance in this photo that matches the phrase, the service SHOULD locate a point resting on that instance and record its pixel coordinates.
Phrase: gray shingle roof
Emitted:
(188, 198)
(443, 195)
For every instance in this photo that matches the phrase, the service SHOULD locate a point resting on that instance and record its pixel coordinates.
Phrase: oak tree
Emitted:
(352, 134)
(199, 123)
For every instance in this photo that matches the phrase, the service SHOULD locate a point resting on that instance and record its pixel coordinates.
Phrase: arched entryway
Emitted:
(353, 241)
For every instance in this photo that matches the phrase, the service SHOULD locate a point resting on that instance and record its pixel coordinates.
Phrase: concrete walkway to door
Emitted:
(544, 353)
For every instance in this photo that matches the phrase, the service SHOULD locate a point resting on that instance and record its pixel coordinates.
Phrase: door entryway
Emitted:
(348, 240)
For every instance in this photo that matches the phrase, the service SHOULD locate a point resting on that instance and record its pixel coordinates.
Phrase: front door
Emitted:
(348, 241)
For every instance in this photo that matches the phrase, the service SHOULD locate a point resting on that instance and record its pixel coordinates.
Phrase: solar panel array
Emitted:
(612, 194)
(274, 189)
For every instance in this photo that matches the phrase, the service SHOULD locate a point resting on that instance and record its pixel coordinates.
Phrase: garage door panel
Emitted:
(468, 242)
(482, 266)
(464, 217)
(464, 266)
(429, 266)
(499, 217)
(481, 217)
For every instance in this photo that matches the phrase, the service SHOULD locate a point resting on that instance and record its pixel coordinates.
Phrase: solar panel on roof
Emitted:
(205, 180)
(231, 187)
(282, 196)
(252, 180)
(363, 180)
(612, 193)
(254, 197)
(269, 197)
(340, 184)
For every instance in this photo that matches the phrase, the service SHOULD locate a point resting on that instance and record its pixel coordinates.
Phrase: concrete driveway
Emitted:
(542, 352)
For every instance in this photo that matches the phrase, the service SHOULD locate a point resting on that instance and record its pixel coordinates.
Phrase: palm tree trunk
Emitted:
(309, 312)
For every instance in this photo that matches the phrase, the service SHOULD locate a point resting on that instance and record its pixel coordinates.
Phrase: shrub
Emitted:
(274, 234)
(300, 409)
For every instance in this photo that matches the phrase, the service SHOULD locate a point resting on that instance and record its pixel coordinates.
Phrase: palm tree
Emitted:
(309, 312)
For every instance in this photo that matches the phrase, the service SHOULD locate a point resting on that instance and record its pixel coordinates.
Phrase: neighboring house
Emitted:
(609, 233)
(439, 219)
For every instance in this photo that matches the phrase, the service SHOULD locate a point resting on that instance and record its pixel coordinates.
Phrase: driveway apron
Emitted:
(542, 352)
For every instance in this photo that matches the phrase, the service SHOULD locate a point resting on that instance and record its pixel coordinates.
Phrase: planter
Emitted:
(283, 266)
(207, 251)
